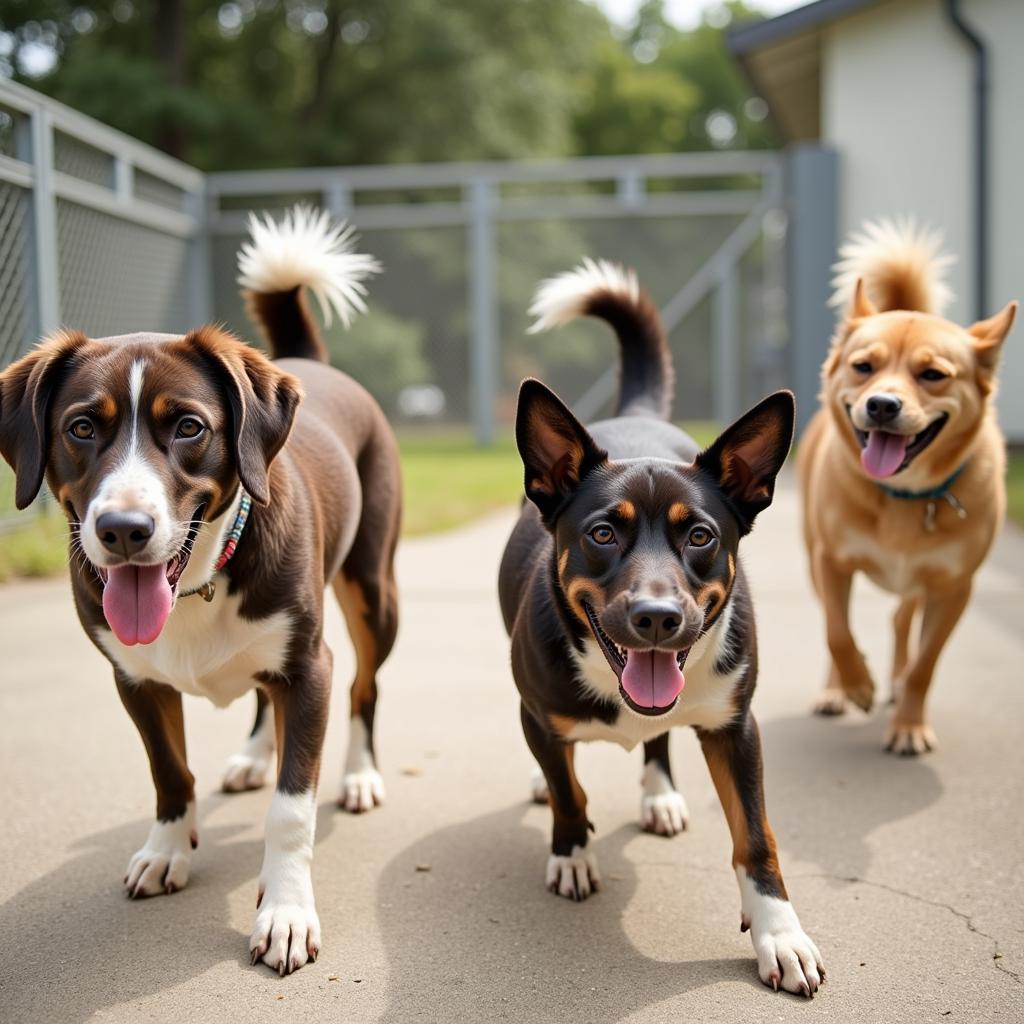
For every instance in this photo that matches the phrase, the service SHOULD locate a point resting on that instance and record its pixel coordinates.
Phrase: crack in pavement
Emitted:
(966, 918)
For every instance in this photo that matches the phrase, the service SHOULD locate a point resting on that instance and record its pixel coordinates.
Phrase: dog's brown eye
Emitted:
(862, 367)
(82, 429)
(700, 537)
(602, 534)
(189, 427)
(932, 374)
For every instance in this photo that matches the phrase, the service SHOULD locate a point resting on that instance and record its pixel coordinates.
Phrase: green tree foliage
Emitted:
(262, 83)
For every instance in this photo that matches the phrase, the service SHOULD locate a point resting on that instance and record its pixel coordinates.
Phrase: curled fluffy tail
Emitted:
(611, 293)
(902, 265)
(303, 250)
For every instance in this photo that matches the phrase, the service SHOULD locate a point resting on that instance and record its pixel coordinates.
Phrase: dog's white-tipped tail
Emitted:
(612, 293)
(901, 263)
(307, 249)
(565, 297)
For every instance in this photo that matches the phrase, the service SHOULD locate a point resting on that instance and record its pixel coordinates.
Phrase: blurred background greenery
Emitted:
(292, 83)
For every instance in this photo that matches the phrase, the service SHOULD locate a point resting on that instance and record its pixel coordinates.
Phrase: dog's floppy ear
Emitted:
(557, 451)
(988, 337)
(26, 388)
(747, 457)
(263, 402)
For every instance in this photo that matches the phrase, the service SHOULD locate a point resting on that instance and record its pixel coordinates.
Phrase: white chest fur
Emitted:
(706, 700)
(207, 649)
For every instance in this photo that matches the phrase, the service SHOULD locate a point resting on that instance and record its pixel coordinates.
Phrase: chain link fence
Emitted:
(97, 231)
(102, 233)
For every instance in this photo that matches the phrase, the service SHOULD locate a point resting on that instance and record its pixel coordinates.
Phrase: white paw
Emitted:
(286, 935)
(538, 787)
(361, 791)
(665, 814)
(575, 876)
(162, 865)
(244, 772)
(248, 768)
(786, 956)
(662, 809)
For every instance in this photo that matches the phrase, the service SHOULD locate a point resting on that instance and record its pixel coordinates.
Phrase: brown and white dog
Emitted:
(212, 495)
(902, 469)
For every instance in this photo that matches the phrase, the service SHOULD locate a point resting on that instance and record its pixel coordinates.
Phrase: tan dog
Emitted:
(902, 469)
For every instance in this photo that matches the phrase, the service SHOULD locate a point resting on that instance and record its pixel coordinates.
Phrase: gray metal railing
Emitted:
(108, 235)
(736, 190)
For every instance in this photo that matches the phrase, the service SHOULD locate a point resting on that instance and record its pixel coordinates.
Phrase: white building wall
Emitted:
(897, 104)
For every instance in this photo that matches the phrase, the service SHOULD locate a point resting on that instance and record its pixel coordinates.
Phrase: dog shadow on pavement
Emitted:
(74, 944)
(830, 786)
(486, 941)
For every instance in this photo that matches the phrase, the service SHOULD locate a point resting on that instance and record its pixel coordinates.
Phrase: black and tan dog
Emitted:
(621, 574)
(209, 509)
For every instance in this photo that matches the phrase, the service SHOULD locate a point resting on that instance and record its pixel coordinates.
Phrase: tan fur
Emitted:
(677, 513)
(851, 525)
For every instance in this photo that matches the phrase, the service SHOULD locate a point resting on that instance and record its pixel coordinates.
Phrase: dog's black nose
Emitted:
(124, 533)
(656, 620)
(883, 408)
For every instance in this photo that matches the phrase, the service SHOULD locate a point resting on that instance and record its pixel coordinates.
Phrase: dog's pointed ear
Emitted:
(860, 304)
(556, 449)
(988, 337)
(747, 457)
(263, 401)
(26, 389)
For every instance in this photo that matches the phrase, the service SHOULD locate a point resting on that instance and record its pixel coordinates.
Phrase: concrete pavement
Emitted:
(907, 873)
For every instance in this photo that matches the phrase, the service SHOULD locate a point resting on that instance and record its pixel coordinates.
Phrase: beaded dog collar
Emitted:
(209, 588)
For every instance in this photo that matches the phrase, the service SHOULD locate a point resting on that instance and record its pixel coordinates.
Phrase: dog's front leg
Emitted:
(786, 957)
(287, 930)
(849, 670)
(908, 732)
(571, 869)
(162, 864)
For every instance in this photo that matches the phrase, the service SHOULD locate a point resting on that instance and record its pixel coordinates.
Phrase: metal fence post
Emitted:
(725, 345)
(811, 247)
(483, 309)
(338, 199)
(44, 224)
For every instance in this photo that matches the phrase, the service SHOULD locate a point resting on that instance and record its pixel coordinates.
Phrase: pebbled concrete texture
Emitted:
(905, 872)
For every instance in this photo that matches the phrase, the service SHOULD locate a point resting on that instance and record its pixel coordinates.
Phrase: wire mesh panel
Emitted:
(117, 277)
(80, 160)
(155, 190)
(17, 313)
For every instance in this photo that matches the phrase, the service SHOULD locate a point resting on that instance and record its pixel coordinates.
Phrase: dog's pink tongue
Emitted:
(652, 678)
(883, 454)
(136, 602)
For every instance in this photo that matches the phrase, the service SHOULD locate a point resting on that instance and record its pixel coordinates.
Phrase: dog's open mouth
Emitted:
(650, 681)
(883, 454)
(137, 599)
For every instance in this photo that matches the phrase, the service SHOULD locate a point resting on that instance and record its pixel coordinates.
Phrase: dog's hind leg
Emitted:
(908, 732)
(248, 768)
(162, 864)
(902, 623)
(572, 868)
(662, 807)
(368, 596)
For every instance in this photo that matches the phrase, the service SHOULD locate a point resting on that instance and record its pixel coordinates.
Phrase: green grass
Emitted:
(448, 481)
(39, 548)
